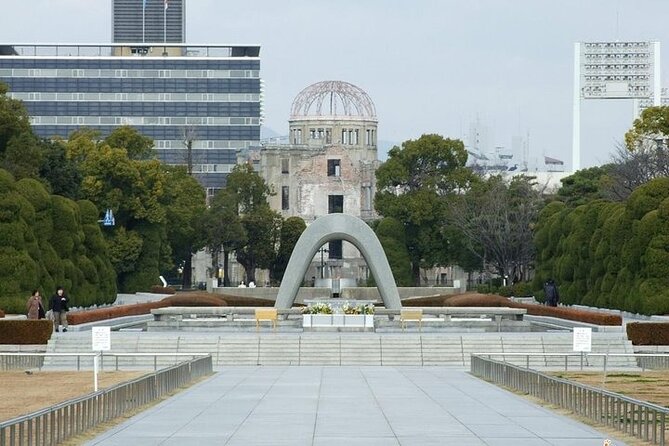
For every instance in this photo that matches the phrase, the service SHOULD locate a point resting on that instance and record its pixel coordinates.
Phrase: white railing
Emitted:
(57, 423)
(637, 418)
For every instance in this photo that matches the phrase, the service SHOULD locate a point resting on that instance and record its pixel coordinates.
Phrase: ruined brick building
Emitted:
(326, 166)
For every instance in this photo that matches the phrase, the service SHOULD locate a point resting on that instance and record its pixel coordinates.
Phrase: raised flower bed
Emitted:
(321, 315)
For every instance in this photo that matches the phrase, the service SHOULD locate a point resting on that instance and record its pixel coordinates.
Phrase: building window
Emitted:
(356, 135)
(320, 134)
(297, 136)
(335, 204)
(350, 137)
(335, 250)
(285, 195)
(312, 133)
(334, 168)
(328, 136)
(285, 165)
(344, 136)
(366, 197)
(368, 137)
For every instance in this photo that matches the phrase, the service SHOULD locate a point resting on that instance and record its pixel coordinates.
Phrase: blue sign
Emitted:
(109, 218)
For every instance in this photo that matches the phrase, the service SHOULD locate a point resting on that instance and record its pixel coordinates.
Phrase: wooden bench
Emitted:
(412, 315)
(266, 314)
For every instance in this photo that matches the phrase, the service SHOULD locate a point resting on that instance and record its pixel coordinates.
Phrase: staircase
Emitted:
(269, 348)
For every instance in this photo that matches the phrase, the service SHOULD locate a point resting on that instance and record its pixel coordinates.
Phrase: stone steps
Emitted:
(400, 349)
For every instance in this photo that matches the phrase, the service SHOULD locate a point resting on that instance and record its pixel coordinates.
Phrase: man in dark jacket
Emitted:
(551, 293)
(59, 307)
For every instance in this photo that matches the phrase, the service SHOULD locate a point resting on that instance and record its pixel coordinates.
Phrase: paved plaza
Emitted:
(322, 405)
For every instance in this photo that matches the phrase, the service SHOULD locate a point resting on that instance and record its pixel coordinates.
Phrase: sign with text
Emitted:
(101, 337)
(582, 339)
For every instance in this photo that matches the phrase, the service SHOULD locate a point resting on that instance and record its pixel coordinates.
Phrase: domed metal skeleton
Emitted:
(332, 99)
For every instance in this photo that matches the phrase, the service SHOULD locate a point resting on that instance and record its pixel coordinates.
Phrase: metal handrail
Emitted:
(637, 418)
(57, 423)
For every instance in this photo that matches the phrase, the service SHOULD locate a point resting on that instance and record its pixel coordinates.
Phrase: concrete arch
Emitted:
(338, 227)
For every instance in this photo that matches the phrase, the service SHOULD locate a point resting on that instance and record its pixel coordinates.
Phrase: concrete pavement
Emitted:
(322, 405)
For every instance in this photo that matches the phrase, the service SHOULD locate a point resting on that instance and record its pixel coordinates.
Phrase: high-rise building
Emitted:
(153, 21)
(206, 97)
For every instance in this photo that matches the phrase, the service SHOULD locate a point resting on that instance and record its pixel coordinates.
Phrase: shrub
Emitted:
(648, 333)
(505, 291)
(17, 331)
(522, 289)
(483, 288)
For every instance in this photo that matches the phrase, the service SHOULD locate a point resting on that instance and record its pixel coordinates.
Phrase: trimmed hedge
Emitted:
(102, 314)
(25, 331)
(648, 333)
(193, 299)
(206, 300)
(491, 300)
(158, 289)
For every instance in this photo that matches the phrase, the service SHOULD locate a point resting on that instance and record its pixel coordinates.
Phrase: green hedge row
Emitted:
(47, 241)
(609, 255)
(24, 331)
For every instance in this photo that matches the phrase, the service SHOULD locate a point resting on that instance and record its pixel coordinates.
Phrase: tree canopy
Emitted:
(414, 185)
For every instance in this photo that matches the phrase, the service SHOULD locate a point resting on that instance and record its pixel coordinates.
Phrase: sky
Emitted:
(430, 66)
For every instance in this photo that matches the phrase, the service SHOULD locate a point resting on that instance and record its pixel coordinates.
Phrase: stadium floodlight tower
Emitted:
(613, 70)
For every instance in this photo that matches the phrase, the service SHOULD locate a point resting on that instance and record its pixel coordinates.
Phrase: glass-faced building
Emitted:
(207, 97)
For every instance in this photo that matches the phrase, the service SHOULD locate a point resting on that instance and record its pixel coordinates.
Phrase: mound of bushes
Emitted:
(491, 300)
(25, 331)
(192, 299)
(648, 333)
(159, 289)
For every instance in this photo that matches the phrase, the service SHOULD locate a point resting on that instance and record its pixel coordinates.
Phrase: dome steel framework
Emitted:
(333, 99)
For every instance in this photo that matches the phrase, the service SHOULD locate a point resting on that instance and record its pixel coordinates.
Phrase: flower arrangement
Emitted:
(358, 309)
(319, 308)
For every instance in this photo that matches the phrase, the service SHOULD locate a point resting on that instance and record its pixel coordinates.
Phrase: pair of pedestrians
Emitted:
(58, 305)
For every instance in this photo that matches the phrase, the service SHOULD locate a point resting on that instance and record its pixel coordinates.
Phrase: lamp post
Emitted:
(322, 250)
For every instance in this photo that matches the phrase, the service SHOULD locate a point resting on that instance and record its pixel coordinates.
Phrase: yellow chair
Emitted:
(266, 314)
(411, 315)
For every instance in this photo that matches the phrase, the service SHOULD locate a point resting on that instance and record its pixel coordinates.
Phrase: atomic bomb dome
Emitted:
(334, 113)
(333, 99)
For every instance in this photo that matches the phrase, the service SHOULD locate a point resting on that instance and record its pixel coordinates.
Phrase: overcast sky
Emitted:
(430, 66)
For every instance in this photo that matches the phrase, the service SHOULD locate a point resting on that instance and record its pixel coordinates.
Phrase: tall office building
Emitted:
(148, 21)
(209, 95)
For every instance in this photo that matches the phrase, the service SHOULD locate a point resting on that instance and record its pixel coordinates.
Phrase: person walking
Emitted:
(551, 293)
(34, 306)
(59, 308)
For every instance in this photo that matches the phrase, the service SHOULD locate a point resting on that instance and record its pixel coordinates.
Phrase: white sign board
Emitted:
(582, 339)
(101, 337)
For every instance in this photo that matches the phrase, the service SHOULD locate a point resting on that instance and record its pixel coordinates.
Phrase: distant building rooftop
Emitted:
(130, 49)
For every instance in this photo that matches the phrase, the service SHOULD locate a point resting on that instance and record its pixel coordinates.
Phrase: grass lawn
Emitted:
(650, 386)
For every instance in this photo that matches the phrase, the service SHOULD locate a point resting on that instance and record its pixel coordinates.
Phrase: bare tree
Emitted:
(631, 169)
(497, 218)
